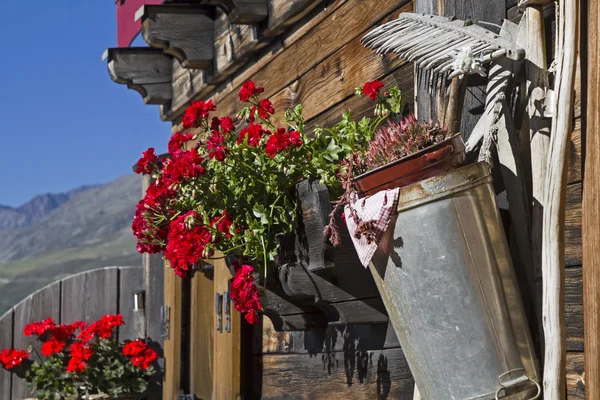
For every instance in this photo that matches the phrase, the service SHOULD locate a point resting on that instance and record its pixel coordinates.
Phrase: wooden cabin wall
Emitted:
(319, 62)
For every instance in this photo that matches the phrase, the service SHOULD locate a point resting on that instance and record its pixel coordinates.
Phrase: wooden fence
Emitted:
(86, 296)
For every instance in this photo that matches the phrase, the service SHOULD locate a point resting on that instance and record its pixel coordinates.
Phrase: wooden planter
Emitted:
(426, 163)
(446, 278)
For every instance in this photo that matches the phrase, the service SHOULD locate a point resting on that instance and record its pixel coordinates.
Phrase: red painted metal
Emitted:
(127, 27)
(426, 163)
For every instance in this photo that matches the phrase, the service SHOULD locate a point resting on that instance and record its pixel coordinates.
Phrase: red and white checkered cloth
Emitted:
(378, 208)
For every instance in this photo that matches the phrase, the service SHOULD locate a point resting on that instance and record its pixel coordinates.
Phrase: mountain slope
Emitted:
(37, 207)
(89, 217)
(57, 235)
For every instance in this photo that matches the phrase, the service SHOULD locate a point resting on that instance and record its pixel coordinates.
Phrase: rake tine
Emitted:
(442, 55)
(379, 38)
(448, 41)
(378, 41)
(422, 47)
(398, 43)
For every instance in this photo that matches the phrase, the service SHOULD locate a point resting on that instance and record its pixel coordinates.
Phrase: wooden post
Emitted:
(553, 239)
(591, 209)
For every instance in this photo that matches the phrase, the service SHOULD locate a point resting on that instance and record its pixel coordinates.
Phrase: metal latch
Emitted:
(165, 322)
(227, 301)
(219, 311)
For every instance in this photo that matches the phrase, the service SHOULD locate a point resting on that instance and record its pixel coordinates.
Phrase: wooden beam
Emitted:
(284, 13)
(184, 31)
(591, 207)
(249, 11)
(145, 70)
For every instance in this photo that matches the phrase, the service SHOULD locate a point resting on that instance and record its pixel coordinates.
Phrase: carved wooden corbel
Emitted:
(145, 70)
(185, 31)
(248, 11)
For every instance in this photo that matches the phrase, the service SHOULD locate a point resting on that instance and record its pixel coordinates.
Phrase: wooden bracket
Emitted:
(146, 70)
(184, 31)
(249, 11)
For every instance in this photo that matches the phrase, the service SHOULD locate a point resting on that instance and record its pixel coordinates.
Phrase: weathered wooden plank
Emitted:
(155, 280)
(575, 376)
(186, 82)
(576, 155)
(6, 342)
(145, 70)
(249, 11)
(172, 344)
(233, 45)
(284, 13)
(591, 202)
(311, 49)
(202, 337)
(573, 254)
(182, 30)
(364, 106)
(336, 78)
(378, 374)
(89, 296)
(574, 309)
(41, 305)
(131, 280)
(227, 344)
(350, 337)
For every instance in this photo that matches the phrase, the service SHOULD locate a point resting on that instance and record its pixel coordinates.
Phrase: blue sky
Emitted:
(63, 122)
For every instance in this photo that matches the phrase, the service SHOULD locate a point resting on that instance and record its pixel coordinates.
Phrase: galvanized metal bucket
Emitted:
(445, 275)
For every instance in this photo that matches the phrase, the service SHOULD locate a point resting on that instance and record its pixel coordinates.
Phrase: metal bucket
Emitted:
(445, 275)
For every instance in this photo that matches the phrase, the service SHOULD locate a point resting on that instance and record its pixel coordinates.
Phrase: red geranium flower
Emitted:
(282, 140)
(148, 163)
(249, 89)
(265, 108)
(253, 132)
(178, 140)
(183, 165)
(226, 124)
(141, 355)
(196, 113)
(39, 328)
(371, 89)
(52, 346)
(215, 146)
(11, 358)
(187, 241)
(245, 294)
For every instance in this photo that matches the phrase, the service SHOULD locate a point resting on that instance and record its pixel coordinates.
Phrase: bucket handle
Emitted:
(537, 385)
(434, 156)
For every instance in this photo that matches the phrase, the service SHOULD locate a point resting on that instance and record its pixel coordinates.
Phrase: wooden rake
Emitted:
(432, 42)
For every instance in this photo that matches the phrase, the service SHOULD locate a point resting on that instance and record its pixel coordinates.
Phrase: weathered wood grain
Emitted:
(184, 31)
(186, 82)
(576, 154)
(233, 46)
(202, 337)
(6, 342)
(311, 49)
(41, 305)
(89, 296)
(573, 253)
(249, 11)
(145, 70)
(574, 309)
(284, 13)
(131, 280)
(227, 345)
(154, 277)
(172, 344)
(350, 337)
(591, 202)
(361, 374)
(575, 377)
